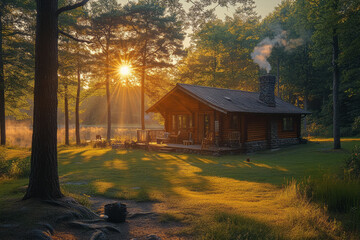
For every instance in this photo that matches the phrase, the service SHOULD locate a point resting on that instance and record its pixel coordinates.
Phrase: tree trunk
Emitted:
(66, 107)
(336, 83)
(44, 180)
(143, 99)
(2, 89)
(107, 82)
(77, 107)
(278, 76)
(306, 85)
(143, 76)
(305, 118)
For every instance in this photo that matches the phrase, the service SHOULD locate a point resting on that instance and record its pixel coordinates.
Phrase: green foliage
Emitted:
(221, 54)
(352, 164)
(340, 194)
(317, 129)
(356, 124)
(101, 144)
(17, 20)
(14, 168)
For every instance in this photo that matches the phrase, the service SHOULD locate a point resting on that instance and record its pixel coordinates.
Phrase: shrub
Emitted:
(100, 144)
(315, 129)
(14, 168)
(352, 164)
(4, 165)
(339, 195)
(356, 124)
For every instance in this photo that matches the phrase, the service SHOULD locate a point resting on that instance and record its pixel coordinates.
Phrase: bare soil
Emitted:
(142, 221)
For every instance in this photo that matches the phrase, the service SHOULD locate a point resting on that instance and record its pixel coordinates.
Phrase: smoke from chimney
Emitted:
(263, 50)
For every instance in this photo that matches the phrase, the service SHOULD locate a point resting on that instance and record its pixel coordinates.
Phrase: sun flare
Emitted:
(124, 70)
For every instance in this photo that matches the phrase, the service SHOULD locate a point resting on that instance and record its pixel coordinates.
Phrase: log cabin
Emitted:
(232, 118)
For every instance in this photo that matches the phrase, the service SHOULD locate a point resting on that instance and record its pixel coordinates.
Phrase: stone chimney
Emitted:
(267, 88)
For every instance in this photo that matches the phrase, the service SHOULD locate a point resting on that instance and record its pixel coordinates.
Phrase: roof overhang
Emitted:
(155, 107)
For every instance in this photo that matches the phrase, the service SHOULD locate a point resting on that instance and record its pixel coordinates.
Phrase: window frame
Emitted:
(235, 122)
(288, 127)
(181, 121)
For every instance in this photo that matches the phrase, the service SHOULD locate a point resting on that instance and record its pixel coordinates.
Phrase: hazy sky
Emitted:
(263, 7)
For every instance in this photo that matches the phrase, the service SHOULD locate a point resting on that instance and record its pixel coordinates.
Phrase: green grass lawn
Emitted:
(221, 192)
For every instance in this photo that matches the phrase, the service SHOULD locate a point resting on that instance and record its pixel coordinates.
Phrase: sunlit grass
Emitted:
(315, 139)
(216, 196)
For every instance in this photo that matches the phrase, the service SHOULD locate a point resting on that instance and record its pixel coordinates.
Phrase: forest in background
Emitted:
(295, 42)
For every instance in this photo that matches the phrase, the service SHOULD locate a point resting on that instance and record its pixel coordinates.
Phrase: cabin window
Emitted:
(288, 124)
(234, 122)
(206, 124)
(182, 121)
(190, 121)
(173, 122)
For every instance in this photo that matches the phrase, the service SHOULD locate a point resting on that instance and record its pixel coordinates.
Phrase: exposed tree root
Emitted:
(66, 211)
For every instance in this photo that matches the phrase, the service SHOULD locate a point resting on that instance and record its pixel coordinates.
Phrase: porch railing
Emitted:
(144, 136)
(231, 138)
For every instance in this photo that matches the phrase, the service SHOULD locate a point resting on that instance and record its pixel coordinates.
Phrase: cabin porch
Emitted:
(195, 148)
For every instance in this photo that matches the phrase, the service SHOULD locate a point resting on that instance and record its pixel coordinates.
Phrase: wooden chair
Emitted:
(189, 141)
(234, 139)
(207, 141)
(163, 139)
(175, 136)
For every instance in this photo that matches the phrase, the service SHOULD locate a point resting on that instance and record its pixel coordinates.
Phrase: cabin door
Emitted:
(204, 125)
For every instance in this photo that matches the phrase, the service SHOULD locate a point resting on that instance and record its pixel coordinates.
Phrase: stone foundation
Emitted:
(255, 146)
(288, 141)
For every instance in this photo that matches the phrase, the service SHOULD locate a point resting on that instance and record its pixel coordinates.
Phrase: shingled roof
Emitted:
(229, 100)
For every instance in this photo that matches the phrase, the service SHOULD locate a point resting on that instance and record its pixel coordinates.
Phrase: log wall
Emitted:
(256, 128)
(295, 133)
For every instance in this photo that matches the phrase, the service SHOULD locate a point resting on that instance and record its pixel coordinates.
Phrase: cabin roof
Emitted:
(229, 100)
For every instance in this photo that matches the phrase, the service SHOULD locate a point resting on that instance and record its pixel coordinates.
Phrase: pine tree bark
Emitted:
(306, 85)
(107, 82)
(336, 83)
(77, 107)
(143, 99)
(44, 180)
(66, 107)
(278, 76)
(2, 88)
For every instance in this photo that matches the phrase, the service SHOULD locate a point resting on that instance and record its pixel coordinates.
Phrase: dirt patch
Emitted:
(142, 221)
(65, 219)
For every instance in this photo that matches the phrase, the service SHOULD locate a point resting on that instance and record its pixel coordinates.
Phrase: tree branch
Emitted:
(71, 7)
(72, 37)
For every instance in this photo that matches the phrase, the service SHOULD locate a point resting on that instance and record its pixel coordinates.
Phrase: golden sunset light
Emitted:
(125, 70)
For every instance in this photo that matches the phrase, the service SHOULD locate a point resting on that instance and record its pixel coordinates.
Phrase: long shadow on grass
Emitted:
(271, 167)
(127, 174)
